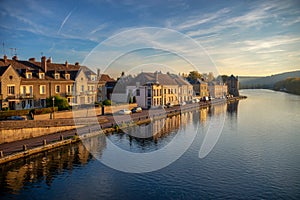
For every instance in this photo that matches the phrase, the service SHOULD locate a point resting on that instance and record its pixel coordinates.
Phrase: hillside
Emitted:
(290, 85)
(267, 82)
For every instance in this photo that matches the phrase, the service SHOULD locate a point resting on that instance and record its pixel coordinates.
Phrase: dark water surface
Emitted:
(257, 156)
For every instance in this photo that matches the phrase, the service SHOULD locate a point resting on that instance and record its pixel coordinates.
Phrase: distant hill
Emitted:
(266, 82)
(290, 85)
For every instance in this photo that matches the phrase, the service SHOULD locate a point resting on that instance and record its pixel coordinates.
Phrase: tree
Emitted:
(193, 76)
(210, 76)
(130, 100)
(134, 99)
(223, 78)
(107, 102)
(60, 102)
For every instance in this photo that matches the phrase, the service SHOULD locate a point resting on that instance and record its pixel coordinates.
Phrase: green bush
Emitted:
(60, 102)
(107, 102)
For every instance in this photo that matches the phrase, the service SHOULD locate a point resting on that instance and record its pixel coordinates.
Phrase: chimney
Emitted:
(44, 63)
(66, 64)
(5, 58)
(15, 57)
(156, 77)
(49, 60)
(31, 59)
(98, 73)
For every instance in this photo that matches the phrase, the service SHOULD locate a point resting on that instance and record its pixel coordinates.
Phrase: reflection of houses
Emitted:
(200, 88)
(155, 89)
(27, 84)
(217, 90)
(47, 165)
(233, 85)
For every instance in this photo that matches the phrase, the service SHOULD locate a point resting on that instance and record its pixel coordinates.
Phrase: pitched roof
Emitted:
(105, 78)
(3, 69)
(35, 67)
(147, 77)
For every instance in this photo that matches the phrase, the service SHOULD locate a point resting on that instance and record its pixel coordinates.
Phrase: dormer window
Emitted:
(41, 75)
(93, 77)
(28, 75)
(67, 76)
(56, 75)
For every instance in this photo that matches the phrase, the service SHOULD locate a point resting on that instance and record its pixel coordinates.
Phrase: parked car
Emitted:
(136, 110)
(16, 118)
(182, 103)
(124, 112)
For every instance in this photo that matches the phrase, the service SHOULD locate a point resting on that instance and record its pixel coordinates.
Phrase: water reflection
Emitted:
(45, 167)
(232, 108)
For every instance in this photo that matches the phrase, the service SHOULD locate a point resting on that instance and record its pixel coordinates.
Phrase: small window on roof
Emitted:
(56, 75)
(67, 76)
(29, 75)
(41, 75)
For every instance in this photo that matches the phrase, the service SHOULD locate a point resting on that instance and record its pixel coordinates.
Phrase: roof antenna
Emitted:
(11, 51)
(3, 48)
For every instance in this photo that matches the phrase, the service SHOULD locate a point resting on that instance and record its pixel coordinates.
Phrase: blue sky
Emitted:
(236, 37)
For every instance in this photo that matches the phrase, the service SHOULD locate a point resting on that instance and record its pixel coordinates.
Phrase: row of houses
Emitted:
(27, 84)
(155, 89)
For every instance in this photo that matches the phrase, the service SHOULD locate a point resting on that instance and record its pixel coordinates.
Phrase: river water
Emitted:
(256, 156)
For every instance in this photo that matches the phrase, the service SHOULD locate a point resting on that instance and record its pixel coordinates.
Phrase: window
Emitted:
(67, 76)
(41, 75)
(42, 89)
(10, 77)
(24, 90)
(137, 92)
(30, 90)
(82, 88)
(69, 88)
(56, 75)
(29, 75)
(93, 78)
(11, 90)
(57, 88)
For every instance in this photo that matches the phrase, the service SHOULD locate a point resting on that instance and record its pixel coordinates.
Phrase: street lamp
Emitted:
(53, 99)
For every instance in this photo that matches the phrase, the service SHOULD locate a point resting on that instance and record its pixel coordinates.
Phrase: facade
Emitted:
(200, 88)
(156, 89)
(27, 84)
(103, 79)
(217, 90)
(233, 85)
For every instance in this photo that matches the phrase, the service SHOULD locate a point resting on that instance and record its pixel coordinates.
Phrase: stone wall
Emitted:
(26, 133)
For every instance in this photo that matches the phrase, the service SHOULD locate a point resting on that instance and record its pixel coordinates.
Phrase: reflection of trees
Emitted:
(45, 166)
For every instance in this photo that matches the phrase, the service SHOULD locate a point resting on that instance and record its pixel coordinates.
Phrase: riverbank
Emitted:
(32, 146)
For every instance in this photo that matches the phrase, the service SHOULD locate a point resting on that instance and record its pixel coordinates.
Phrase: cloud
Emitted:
(196, 21)
(255, 45)
(64, 21)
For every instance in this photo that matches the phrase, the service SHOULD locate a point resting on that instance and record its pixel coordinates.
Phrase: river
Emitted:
(255, 156)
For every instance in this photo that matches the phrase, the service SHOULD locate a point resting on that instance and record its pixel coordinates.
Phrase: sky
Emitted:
(253, 38)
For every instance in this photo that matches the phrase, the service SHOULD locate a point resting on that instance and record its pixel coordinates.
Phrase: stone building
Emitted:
(156, 89)
(27, 84)
(233, 85)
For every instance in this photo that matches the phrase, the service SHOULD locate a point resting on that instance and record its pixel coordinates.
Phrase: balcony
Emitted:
(26, 96)
(90, 92)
